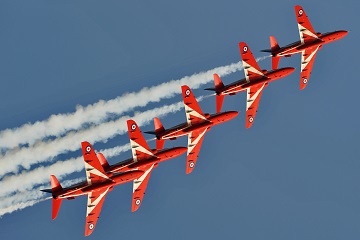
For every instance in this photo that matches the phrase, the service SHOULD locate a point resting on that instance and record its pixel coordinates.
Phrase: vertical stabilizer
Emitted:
(158, 129)
(274, 47)
(218, 86)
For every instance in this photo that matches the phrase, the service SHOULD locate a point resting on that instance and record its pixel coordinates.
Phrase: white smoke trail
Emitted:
(19, 206)
(59, 124)
(63, 168)
(28, 198)
(16, 190)
(43, 151)
(27, 180)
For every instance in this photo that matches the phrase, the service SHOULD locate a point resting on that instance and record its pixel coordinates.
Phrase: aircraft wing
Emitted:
(251, 67)
(195, 139)
(93, 168)
(139, 188)
(306, 31)
(193, 111)
(307, 61)
(94, 204)
(252, 102)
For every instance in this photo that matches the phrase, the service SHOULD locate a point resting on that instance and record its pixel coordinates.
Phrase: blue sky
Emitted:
(293, 175)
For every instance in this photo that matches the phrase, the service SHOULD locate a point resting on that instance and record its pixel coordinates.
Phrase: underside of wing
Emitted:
(307, 61)
(195, 139)
(94, 204)
(139, 188)
(251, 67)
(252, 103)
(193, 111)
(306, 31)
(139, 147)
(93, 168)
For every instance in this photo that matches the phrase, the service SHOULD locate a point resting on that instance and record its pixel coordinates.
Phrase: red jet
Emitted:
(310, 42)
(254, 82)
(195, 128)
(101, 177)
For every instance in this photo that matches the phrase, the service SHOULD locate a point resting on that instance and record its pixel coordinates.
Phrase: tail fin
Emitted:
(55, 184)
(193, 111)
(217, 81)
(139, 147)
(273, 44)
(219, 98)
(104, 163)
(274, 47)
(56, 202)
(158, 129)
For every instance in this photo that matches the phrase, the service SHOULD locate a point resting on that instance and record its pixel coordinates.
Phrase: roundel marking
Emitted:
(251, 119)
(137, 202)
(305, 80)
(245, 48)
(133, 127)
(191, 164)
(301, 12)
(91, 226)
(88, 149)
(187, 92)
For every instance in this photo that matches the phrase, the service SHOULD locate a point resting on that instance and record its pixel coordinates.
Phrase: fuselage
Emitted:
(243, 84)
(159, 156)
(298, 47)
(84, 188)
(185, 129)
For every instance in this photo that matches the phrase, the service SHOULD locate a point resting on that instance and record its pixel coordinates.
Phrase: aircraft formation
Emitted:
(101, 177)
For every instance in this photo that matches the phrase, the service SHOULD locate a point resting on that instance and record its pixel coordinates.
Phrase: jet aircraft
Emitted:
(254, 83)
(101, 177)
(195, 128)
(310, 43)
(98, 183)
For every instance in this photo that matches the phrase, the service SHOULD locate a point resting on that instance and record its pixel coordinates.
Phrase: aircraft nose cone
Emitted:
(343, 33)
(288, 70)
(232, 114)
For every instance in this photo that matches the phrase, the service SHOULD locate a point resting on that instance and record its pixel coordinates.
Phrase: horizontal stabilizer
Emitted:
(46, 190)
(210, 89)
(266, 50)
(56, 203)
(151, 132)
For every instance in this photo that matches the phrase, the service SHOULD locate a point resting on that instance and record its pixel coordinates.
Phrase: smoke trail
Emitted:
(43, 151)
(59, 124)
(23, 199)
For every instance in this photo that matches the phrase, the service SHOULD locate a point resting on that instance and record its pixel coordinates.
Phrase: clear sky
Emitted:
(293, 175)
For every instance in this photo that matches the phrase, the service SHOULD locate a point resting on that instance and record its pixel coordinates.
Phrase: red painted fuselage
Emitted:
(243, 85)
(158, 156)
(84, 188)
(298, 47)
(185, 129)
